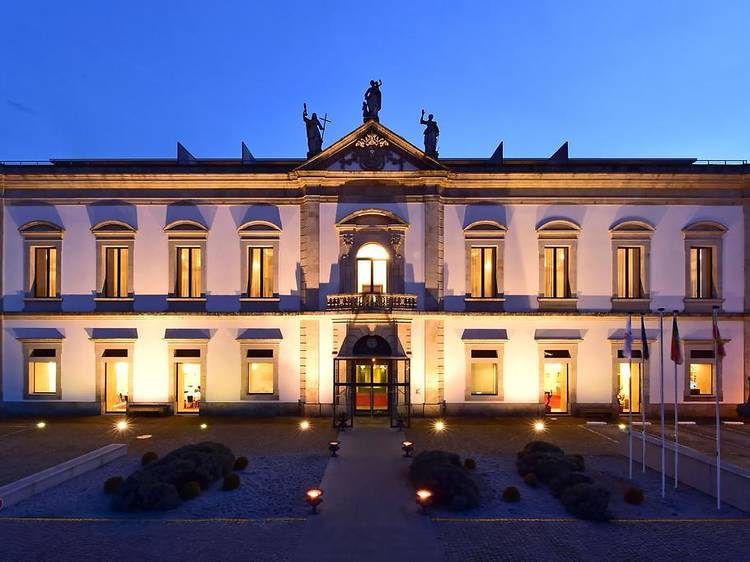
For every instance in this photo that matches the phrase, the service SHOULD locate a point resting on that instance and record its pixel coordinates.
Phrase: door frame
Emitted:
(100, 346)
(200, 345)
(371, 362)
(572, 362)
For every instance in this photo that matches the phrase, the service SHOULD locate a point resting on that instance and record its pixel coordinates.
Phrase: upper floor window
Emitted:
(558, 248)
(372, 269)
(259, 244)
(187, 252)
(703, 249)
(485, 243)
(43, 249)
(631, 248)
(115, 242)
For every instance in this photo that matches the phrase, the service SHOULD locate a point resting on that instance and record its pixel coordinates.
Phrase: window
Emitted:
(116, 272)
(372, 269)
(701, 373)
(43, 249)
(45, 272)
(259, 366)
(189, 272)
(629, 282)
(42, 366)
(628, 375)
(260, 281)
(702, 284)
(484, 367)
(483, 272)
(189, 372)
(703, 251)
(557, 373)
(558, 248)
(260, 371)
(556, 283)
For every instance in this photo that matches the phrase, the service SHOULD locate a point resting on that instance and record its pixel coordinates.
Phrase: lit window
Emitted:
(629, 381)
(484, 371)
(701, 373)
(556, 283)
(189, 272)
(43, 371)
(260, 280)
(702, 284)
(116, 272)
(372, 269)
(45, 272)
(483, 272)
(260, 371)
(629, 282)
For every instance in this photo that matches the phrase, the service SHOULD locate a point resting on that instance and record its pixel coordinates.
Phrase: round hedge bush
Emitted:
(452, 485)
(190, 490)
(148, 458)
(511, 494)
(470, 464)
(633, 495)
(231, 482)
(240, 463)
(111, 485)
(586, 501)
(531, 480)
(559, 483)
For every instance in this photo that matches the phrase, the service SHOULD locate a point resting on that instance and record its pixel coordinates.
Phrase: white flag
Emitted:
(627, 350)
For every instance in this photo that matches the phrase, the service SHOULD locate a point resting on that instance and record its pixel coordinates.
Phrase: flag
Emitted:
(676, 354)
(644, 341)
(628, 347)
(717, 338)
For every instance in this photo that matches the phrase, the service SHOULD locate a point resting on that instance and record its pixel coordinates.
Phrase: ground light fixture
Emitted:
(121, 425)
(622, 426)
(304, 425)
(439, 426)
(539, 426)
(407, 447)
(204, 425)
(334, 446)
(314, 498)
(424, 499)
(41, 425)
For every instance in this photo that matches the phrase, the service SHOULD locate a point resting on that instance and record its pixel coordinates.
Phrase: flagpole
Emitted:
(661, 398)
(718, 405)
(641, 379)
(676, 417)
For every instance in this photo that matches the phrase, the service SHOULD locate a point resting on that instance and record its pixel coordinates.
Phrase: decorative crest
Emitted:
(371, 139)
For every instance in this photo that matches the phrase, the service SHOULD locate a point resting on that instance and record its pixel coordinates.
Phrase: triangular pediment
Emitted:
(371, 147)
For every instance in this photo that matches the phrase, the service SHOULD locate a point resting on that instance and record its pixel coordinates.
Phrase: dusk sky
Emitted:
(129, 79)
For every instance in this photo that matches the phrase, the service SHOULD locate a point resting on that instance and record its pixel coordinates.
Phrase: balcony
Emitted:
(371, 302)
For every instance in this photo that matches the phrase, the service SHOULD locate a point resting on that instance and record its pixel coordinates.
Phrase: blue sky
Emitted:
(128, 79)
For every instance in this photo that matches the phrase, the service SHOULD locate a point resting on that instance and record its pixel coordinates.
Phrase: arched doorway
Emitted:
(371, 375)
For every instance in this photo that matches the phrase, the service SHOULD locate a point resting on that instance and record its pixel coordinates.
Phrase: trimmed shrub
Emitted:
(511, 494)
(541, 447)
(470, 464)
(633, 495)
(451, 484)
(158, 485)
(586, 501)
(190, 490)
(231, 482)
(531, 480)
(546, 465)
(111, 485)
(240, 463)
(148, 458)
(565, 480)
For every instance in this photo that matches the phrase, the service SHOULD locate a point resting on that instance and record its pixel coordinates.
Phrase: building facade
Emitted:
(370, 279)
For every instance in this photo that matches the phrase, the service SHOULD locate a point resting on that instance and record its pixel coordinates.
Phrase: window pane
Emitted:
(701, 379)
(260, 378)
(44, 274)
(694, 292)
(267, 272)
(43, 377)
(484, 378)
(255, 272)
(196, 288)
(621, 276)
(561, 273)
(489, 272)
(379, 276)
(549, 272)
(476, 272)
(116, 272)
(124, 256)
(364, 276)
(183, 272)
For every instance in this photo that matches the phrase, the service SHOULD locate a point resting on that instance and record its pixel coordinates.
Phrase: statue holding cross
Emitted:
(315, 131)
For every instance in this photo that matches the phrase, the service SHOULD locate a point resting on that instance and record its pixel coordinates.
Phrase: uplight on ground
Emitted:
(304, 425)
(439, 426)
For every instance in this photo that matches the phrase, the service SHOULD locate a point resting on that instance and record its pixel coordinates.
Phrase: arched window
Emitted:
(372, 269)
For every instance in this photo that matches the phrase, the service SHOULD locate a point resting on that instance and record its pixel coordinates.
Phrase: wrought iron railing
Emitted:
(371, 301)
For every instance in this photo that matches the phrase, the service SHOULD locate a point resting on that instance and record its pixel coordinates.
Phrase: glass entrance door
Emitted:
(371, 387)
(116, 386)
(556, 387)
(629, 384)
(188, 388)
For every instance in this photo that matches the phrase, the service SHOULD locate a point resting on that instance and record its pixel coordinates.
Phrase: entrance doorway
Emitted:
(188, 388)
(629, 387)
(371, 390)
(116, 374)
(556, 381)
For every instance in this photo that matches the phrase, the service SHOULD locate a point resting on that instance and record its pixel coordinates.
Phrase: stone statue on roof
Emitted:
(431, 134)
(373, 101)
(314, 138)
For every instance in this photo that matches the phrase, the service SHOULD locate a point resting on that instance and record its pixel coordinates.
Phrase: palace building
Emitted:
(371, 278)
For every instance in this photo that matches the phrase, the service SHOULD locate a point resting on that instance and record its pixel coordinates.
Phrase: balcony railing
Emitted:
(371, 302)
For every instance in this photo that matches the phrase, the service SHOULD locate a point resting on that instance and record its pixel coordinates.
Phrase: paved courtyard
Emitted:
(369, 511)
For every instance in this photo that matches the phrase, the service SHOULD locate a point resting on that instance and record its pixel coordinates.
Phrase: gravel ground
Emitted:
(272, 486)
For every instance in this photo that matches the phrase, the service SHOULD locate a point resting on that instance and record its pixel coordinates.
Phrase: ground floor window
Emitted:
(260, 370)
(701, 373)
(556, 380)
(484, 372)
(42, 365)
